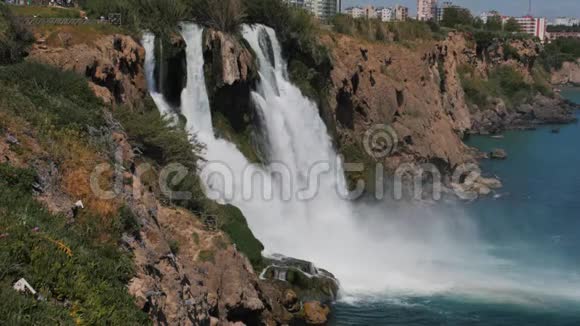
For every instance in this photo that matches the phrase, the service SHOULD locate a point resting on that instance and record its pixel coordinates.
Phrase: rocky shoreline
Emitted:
(541, 111)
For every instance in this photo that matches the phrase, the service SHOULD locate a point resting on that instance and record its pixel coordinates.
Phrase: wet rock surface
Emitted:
(304, 279)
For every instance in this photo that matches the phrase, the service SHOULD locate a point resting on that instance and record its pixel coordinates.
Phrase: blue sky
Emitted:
(548, 8)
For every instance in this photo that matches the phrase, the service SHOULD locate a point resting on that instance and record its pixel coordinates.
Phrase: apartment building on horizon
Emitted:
(401, 13)
(386, 14)
(565, 21)
(323, 9)
(426, 10)
(535, 26)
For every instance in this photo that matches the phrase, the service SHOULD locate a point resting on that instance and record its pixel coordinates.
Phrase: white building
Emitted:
(426, 10)
(535, 26)
(297, 3)
(370, 12)
(565, 21)
(355, 12)
(401, 13)
(323, 9)
(386, 14)
(486, 15)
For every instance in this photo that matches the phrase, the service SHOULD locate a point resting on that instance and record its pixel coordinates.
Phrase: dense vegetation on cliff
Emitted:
(13, 38)
(560, 51)
(77, 267)
(503, 82)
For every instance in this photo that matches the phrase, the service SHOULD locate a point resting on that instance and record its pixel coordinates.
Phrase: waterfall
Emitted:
(220, 155)
(162, 105)
(323, 228)
(379, 248)
(194, 97)
(296, 133)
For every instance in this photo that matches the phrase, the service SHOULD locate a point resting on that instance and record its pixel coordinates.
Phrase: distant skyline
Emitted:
(548, 8)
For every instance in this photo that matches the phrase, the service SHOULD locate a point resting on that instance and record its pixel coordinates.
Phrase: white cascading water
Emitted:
(162, 105)
(374, 249)
(220, 155)
(325, 229)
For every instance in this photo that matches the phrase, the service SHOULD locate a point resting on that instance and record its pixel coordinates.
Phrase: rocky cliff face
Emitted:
(112, 63)
(541, 108)
(415, 91)
(189, 273)
(231, 73)
(569, 74)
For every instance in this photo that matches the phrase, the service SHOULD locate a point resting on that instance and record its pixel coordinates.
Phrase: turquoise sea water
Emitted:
(532, 222)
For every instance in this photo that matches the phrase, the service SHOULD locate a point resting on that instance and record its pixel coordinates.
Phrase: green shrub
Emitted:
(160, 16)
(560, 51)
(243, 140)
(25, 310)
(129, 222)
(92, 278)
(174, 247)
(14, 38)
(158, 139)
(454, 17)
(46, 95)
(542, 83)
(195, 237)
(504, 82)
(509, 52)
(206, 256)
(509, 82)
(234, 224)
(224, 15)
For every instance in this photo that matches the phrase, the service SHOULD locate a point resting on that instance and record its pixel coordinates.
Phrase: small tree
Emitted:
(224, 15)
(494, 24)
(478, 23)
(512, 26)
(455, 16)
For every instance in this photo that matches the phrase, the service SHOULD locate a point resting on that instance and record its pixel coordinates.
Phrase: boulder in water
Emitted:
(498, 154)
(490, 182)
(304, 279)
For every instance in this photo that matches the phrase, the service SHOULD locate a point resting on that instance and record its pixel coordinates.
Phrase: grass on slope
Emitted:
(13, 37)
(504, 82)
(79, 34)
(77, 267)
(45, 12)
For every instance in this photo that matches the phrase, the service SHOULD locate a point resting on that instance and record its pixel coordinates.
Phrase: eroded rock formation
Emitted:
(113, 64)
(415, 91)
(568, 74)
